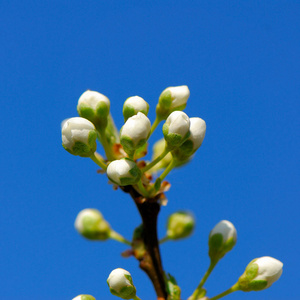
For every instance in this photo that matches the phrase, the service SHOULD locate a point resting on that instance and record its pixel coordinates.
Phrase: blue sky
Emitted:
(240, 60)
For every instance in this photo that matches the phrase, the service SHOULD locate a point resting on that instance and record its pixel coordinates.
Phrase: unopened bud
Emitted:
(176, 129)
(94, 107)
(79, 136)
(260, 274)
(222, 239)
(135, 132)
(124, 172)
(193, 142)
(84, 297)
(120, 284)
(91, 224)
(133, 105)
(171, 99)
(180, 225)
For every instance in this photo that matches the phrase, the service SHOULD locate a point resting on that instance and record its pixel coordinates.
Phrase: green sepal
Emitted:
(127, 144)
(127, 292)
(86, 112)
(128, 111)
(183, 153)
(87, 297)
(136, 173)
(180, 230)
(173, 290)
(128, 181)
(247, 282)
(173, 140)
(102, 110)
(165, 100)
(95, 230)
(217, 249)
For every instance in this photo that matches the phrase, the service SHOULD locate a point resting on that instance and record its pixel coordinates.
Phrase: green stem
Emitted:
(106, 146)
(206, 275)
(118, 237)
(98, 159)
(136, 298)
(163, 240)
(196, 294)
(158, 181)
(155, 124)
(155, 161)
(167, 170)
(142, 189)
(234, 288)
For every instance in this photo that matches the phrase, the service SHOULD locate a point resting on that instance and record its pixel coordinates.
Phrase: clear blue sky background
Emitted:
(240, 60)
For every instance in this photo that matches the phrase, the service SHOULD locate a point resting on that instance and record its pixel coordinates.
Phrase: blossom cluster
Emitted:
(125, 149)
(124, 163)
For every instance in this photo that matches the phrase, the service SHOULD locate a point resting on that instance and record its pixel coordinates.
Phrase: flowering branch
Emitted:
(182, 137)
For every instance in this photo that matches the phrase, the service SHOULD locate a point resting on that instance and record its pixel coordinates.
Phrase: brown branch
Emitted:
(151, 260)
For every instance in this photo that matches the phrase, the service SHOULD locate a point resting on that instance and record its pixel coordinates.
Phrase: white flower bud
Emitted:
(94, 107)
(180, 225)
(79, 136)
(91, 224)
(260, 274)
(193, 142)
(176, 129)
(135, 132)
(123, 172)
(133, 105)
(84, 297)
(171, 99)
(197, 132)
(120, 284)
(222, 239)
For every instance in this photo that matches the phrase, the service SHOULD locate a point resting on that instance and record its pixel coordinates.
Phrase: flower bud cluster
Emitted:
(182, 135)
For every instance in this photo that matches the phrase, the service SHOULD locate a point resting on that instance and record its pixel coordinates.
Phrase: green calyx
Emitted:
(247, 282)
(165, 100)
(217, 247)
(83, 149)
(132, 178)
(97, 116)
(129, 146)
(95, 229)
(127, 292)
(173, 289)
(129, 111)
(174, 140)
(164, 104)
(87, 297)
(180, 225)
(184, 152)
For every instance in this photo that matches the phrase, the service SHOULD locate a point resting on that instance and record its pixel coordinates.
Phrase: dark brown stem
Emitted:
(151, 261)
